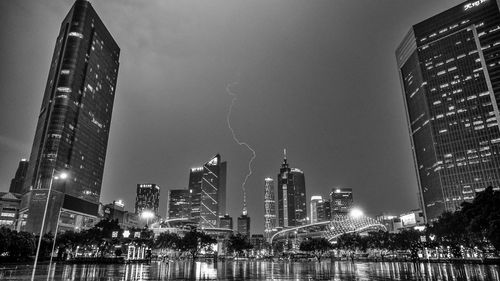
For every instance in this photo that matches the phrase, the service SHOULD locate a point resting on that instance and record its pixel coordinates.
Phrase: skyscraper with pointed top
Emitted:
(73, 126)
(292, 210)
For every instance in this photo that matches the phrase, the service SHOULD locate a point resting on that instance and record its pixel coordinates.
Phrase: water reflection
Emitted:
(256, 270)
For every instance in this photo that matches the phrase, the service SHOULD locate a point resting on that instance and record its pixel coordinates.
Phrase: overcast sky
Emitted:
(318, 78)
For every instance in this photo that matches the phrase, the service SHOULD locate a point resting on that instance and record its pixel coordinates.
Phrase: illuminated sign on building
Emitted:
(473, 4)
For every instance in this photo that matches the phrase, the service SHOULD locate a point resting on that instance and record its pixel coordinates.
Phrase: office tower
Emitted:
(208, 187)
(195, 178)
(226, 222)
(327, 210)
(449, 72)
(179, 204)
(147, 198)
(291, 196)
(317, 210)
(73, 125)
(342, 202)
(244, 225)
(269, 208)
(16, 185)
(299, 183)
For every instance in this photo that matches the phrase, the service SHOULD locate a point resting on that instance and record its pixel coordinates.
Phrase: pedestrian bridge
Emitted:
(330, 230)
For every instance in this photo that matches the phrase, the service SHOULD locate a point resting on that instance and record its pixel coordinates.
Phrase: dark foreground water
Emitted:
(255, 270)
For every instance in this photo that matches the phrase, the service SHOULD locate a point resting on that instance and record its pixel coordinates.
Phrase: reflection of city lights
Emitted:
(356, 213)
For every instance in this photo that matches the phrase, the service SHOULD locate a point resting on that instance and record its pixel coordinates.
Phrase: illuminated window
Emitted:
(64, 89)
(76, 34)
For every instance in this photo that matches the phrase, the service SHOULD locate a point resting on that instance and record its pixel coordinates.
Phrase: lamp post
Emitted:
(52, 177)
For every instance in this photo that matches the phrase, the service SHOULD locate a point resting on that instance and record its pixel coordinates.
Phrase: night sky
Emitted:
(318, 78)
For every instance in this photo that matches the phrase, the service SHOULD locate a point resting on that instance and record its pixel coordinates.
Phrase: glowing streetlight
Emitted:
(61, 176)
(356, 213)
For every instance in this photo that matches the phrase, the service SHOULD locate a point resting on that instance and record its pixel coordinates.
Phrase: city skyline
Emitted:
(324, 161)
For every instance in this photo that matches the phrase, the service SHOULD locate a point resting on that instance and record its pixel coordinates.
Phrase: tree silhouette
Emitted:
(316, 246)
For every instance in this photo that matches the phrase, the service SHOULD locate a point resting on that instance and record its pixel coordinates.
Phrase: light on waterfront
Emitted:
(356, 213)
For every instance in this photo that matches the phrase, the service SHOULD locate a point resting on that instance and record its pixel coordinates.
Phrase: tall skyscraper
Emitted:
(73, 124)
(449, 71)
(147, 198)
(342, 202)
(269, 208)
(208, 187)
(327, 210)
(179, 204)
(16, 185)
(244, 225)
(317, 210)
(291, 196)
(195, 179)
(299, 184)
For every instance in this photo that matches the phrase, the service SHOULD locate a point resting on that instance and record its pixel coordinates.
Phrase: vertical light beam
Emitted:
(235, 138)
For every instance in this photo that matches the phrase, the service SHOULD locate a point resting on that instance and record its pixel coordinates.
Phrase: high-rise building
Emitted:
(195, 179)
(269, 208)
(327, 210)
(244, 225)
(16, 185)
(342, 202)
(208, 187)
(449, 72)
(317, 209)
(292, 209)
(226, 222)
(73, 125)
(147, 198)
(299, 184)
(179, 204)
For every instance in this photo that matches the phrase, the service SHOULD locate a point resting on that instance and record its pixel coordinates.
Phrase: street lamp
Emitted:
(147, 214)
(52, 177)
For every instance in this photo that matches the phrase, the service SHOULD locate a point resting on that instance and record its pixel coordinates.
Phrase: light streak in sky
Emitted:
(235, 138)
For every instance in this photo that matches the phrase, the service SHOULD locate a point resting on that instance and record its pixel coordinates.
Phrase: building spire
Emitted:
(284, 153)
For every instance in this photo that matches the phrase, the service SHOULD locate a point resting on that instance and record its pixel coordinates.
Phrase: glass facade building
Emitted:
(341, 202)
(148, 198)
(449, 68)
(179, 204)
(74, 120)
(16, 185)
(269, 208)
(226, 222)
(207, 185)
(292, 210)
(244, 225)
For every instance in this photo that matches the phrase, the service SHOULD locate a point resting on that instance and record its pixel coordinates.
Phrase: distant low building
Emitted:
(244, 225)
(116, 211)
(412, 219)
(226, 222)
(9, 209)
(257, 241)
